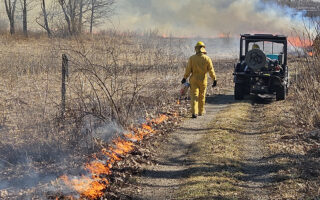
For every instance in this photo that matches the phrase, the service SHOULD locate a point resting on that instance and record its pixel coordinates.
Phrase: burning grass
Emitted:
(142, 81)
(114, 81)
(299, 42)
(93, 186)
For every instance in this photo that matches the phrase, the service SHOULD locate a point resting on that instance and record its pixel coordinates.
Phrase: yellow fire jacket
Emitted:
(198, 66)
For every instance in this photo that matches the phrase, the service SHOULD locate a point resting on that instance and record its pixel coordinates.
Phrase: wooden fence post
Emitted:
(64, 73)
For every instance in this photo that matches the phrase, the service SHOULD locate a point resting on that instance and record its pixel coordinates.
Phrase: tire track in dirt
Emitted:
(233, 160)
(175, 164)
(160, 181)
(257, 170)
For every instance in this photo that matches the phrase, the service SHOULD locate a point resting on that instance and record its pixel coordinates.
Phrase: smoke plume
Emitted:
(207, 18)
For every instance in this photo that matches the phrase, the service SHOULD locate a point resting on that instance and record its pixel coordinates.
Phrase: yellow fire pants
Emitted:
(197, 92)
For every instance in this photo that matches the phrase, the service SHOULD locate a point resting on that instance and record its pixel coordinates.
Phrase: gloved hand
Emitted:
(214, 83)
(183, 81)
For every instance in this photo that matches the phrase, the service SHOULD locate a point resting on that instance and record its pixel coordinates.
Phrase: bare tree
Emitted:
(45, 18)
(81, 12)
(10, 9)
(24, 21)
(99, 10)
(64, 6)
(45, 24)
(25, 8)
(72, 9)
(78, 13)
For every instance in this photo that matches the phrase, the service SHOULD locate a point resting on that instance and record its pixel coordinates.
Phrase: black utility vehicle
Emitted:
(262, 68)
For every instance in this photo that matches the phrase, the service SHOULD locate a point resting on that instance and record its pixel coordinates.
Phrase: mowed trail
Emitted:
(160, 181)
(174, 166)
(258, 170)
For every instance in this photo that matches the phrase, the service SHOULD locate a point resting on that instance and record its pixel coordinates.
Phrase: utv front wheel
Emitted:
(281, 93)
(238, 92)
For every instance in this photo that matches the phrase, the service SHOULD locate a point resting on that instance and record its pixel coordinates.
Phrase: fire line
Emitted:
(93, 186)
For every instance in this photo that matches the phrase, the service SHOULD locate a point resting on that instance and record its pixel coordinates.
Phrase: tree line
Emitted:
(67, 17)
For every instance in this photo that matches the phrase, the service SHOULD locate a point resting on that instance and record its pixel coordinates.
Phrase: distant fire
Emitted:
(224, 35)
(215, 36)
(93, 186)
(299, 42)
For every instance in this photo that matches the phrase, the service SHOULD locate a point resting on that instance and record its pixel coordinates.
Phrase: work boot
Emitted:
(194, 116)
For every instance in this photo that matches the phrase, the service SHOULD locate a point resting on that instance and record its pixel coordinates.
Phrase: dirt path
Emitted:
(190, 155)
(160, 181)
(258, 174)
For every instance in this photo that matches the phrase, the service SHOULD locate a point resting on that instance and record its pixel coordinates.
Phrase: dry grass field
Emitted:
(114, 80)
(306, 92)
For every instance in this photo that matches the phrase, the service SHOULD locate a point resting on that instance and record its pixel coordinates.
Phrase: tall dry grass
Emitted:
(306, 96)
(306, 79)
(113, 79)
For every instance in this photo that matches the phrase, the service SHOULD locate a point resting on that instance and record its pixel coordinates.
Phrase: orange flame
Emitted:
(98, 168)
(147, 127)
(134, 137)
(160, 119)
(122, 146)
(224, 35)
(113, 157)
(299, 42)
(93, 186)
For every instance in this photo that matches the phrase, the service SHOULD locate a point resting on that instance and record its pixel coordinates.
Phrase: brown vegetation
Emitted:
(306, 92)
(114, 80)
(295, 137)
(293, 142)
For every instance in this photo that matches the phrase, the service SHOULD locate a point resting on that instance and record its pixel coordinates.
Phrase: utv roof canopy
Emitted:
(264, 37)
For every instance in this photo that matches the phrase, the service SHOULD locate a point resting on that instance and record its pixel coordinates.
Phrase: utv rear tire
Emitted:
(238, 92)
(246, 89)
(281, 93)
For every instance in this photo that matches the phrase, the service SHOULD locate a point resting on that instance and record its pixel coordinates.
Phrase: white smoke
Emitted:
(207, 18)
(101, 130)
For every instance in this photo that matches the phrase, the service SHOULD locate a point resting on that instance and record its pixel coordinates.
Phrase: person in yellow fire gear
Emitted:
(198, 67)
(255, 46)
